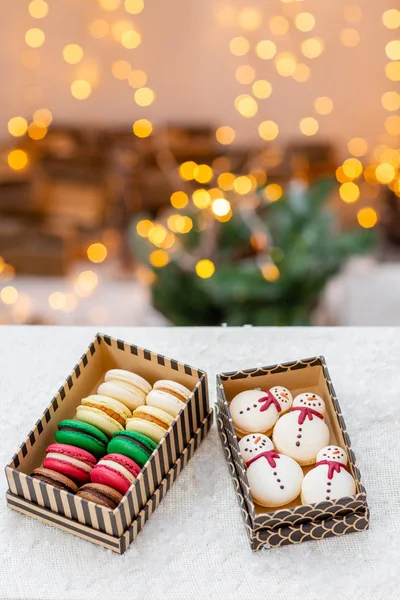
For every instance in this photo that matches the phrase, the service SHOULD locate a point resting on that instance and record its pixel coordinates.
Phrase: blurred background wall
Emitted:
(211, 162)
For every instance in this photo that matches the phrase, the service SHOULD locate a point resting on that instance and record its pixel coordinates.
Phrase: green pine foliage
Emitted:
(307, 248)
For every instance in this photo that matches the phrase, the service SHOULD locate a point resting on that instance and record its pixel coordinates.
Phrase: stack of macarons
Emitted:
(113, 435)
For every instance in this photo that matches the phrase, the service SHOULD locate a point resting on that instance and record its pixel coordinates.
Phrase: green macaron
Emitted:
(82, 435)
(134, 445)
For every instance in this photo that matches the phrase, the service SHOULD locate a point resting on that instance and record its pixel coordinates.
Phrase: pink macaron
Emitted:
(117, 471)
(70, 461)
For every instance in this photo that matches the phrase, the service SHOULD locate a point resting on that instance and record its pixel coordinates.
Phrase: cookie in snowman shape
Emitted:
(302, 432)
(329, 479)
(258, 410)
(274, 479)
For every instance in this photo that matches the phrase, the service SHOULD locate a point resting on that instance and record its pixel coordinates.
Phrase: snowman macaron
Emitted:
(274, 479)
(330, 479)
(302, 432)
(258, 410)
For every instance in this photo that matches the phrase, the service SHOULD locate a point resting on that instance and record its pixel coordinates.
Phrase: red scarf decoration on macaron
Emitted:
(268, 400)
(306, 412)
(270, 455)
(332, 466)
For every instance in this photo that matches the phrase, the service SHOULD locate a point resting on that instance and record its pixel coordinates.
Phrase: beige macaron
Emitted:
(107, 414)
(126, 387)
(150, 421)
(169, 396)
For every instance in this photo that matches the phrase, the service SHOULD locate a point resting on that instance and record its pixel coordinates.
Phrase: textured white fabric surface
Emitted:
(195, 545)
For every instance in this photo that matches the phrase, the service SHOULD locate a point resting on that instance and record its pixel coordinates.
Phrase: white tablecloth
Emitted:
(195, 546)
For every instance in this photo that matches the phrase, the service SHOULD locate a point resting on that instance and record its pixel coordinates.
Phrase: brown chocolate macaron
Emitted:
(100, 494)
(58, 480)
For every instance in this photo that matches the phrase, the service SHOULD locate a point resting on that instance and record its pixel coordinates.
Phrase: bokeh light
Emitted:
(302, 73)
(349, 192)
(17, 159)
(142, 128)
(144, 96)
(268, 130)
(121, 69)
(134, 7)
(246, 106)
(57, 300)
(352, 168)
(159, 258)
(97, 252)
(323, 105)
(312, 47)
(43, 115)
(305, 21)
(245, 74)
(38, 9)
(225, 135)
(266, 49)
(130, 39)
(391, 18)
(205, 268)
(391, 101)
(350, 37)
(239, 46)
(17, 126)
(273, 192)
(143, 227)
(392, 70)
(261, 89)
(109, 5)
(226, 181)
(385, 173)
(309, 126)
(242, 185)
(9, 294)
(187, 170)
(35, 37)
(250, 19)
(201, 198)
(286, 64)
(137, 78)
(279, 25)
(99, 29)
(367, 217)
(270, 272)
(72, 54)
(179, 199)
(392, 50)
(37, 130)
(81, 89)
(203, 173)
(357, 146)
(221, 207)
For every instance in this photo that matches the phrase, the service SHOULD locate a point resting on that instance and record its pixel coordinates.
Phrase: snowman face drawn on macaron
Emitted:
(255, 411)
(310, 400)
(252, 445)
(333, 453)
(283, 396)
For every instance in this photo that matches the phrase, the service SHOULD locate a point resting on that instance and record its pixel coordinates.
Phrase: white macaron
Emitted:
(169, 396)
(129, 388)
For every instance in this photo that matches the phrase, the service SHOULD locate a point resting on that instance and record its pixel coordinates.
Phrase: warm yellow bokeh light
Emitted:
(137, 78)
(305, 21)
(367, 217)
(38, 9)
(226, 181)
(221, 207)
(188, 225)
(246, 106)
(392, 70)
(385, 173)
(81, 89)
(349, 192)
(176, 223)
(144, 96)
(142, 128)
(392, 50)
(203, 173)
(266, 49)
(225, 135)
(57, 300)
(270, 272)
(179, 199)
(143, 227)
(279, 25)
(130, 39)
(37, 130)
(17, 159)
(159, 258)
(323, 105)
(187, 170)
(352, 168)
(245, 74)
(391, 101)
(340, 176)
(309, 126)
(239, 46)
(268, 130)
(35, 37)
(391, 18)
(97, 252)
(121, 69)
(157, 234)
(119, 27)
(9, 294)
(349, 37)
(72, 54)
(242, 185)
(312, 47)
(357, 146)
(134, 7)
(201, 198)
(250, 19)
(392, 125)
(262, 89)
(99, 29)
(109, 5)
(17, 126)
(43, 115)
(87, 281)
(286, 64)
(205, 268)
(273, 192)
(302, 73)
(352, 13)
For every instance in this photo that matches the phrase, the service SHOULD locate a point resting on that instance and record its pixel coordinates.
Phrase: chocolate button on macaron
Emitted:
(100, 494)
(135, 445)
